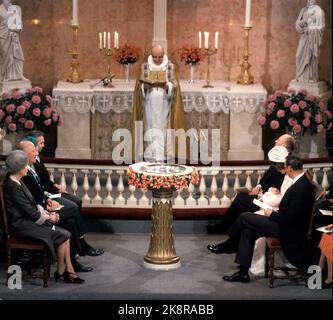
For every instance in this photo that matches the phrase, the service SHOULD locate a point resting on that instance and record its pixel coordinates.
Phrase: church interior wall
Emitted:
(273, 39)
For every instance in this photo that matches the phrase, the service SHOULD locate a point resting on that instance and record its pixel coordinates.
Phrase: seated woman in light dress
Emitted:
(272, 198)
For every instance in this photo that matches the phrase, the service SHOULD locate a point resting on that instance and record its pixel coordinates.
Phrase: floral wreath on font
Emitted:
(147, 181)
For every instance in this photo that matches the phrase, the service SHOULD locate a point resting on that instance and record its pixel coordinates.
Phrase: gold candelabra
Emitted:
(108, 52)
(209, 52)
(245, 76)
(74, 76)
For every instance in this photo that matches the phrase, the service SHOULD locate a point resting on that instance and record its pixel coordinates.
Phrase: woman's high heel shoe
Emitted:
(58, 276)
(72, 278)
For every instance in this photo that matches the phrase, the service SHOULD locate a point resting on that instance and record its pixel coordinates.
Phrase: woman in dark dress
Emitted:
(27, 220)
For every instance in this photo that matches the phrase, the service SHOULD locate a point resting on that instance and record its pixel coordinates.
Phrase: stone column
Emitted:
(160, 20)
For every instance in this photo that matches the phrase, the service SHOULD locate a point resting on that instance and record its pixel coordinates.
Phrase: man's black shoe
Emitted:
(78, 267)
(221, 248)
(237, 277)
(215, 248)
(92, 252)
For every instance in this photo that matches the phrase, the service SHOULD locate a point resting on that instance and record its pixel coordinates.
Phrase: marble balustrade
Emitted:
(106, 185)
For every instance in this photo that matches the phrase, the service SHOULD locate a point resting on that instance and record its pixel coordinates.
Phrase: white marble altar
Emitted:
(227, 104)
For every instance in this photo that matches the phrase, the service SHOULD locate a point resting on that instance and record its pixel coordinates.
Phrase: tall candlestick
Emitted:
(100, 40)
(247, 13)
(200, 44)
(75, 21)
(216, 39)
(206, 34)
(104, 39)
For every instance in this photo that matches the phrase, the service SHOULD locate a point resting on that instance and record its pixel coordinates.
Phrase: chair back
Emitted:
(4, 211)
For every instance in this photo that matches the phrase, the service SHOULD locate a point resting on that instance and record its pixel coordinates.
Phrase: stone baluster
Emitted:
(225, 201)
(190, 201)
(62, 179)
(97, 200)
(85, 186)
(202, 201)
(324, 183)
(108, 201)
(236, 184)
(51, 171)
(144, 201)
(214, 201)
(260, 174)
(179, 201)
(74, 185)
(120, 200)
(248, 183)
(315, 176)
(132, 201)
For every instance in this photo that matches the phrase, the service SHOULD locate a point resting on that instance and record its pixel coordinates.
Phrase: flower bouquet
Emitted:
(298, 112)
(24, 112)
(162, 181)
(190, 55)
(127, 54)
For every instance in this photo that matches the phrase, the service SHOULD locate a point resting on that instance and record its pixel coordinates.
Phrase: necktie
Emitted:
(35, 175)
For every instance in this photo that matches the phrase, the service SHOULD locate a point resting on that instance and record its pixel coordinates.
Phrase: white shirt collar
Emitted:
(152, 65)
(298, 177)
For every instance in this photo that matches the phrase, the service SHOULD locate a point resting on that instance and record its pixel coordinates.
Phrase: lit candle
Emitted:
(200, 39)
(116, 40)
(75, 21)
(100, 40)
(104, 39)
(109, 41)
(206, 34)
(216, 39)
(247, 13)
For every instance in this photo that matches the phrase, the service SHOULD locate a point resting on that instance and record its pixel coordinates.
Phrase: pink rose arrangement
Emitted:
(297, 112)
(146, 181)
(25, 111)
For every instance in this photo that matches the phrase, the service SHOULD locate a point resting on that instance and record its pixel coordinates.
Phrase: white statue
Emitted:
(310, 25)
(11, 54)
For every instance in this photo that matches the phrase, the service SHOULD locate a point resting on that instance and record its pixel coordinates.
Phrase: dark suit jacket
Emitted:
(271, 178)
(45, 177)
(293, 217)
(21, 206)
(35, 189)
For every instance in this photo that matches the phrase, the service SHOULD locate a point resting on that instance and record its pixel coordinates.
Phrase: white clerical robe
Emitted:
(157, 107)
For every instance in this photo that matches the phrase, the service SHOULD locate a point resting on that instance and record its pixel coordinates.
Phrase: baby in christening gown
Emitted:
(272, 198)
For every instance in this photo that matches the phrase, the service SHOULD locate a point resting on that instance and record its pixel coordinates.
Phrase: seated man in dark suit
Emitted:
(70, 217)
(244, 200)
(290, 224)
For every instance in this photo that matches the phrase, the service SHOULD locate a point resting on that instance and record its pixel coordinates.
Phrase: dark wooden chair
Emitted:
(13, 243)
(273, 245)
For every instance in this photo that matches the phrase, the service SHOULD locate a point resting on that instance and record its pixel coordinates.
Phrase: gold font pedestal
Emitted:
(161, 254)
